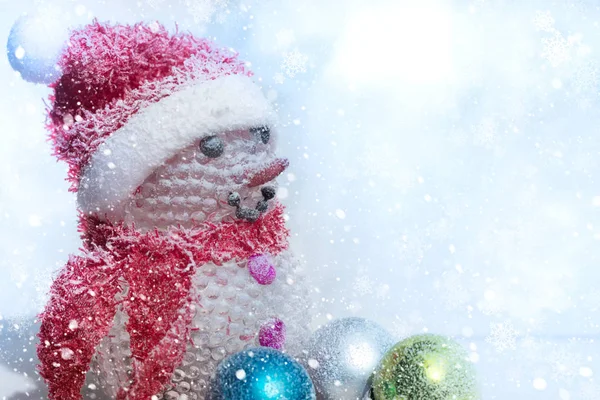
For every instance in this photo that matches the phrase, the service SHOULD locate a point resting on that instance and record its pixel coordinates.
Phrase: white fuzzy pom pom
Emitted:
(35, 44)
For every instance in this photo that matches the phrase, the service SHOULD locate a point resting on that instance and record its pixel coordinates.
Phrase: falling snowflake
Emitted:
(379, 160)
(155, 4)
(503, 336)
(485, 134)
(279, 78)
(487, 307)
(585, 103)
(580, 6)
(411, 250)
(19, 275)
(400, 329)
(363, 285)
(543, 21)
(203, 10)
(20, 324)
(294, 63)
(354, 307)
(42, 280)
(586, 77)
(439, 229)
(403, 327)
(556, 49)
(565, 363)
(383, 291)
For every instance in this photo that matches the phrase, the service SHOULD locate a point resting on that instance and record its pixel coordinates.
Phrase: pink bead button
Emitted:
(261, 269)
(272, 334)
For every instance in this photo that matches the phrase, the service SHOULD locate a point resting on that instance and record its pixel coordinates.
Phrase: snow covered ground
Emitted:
(535, 368)
(443, 179)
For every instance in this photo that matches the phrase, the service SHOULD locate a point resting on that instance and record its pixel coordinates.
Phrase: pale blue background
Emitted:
(444, 178)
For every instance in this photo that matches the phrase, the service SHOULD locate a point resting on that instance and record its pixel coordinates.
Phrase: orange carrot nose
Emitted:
(268, 172)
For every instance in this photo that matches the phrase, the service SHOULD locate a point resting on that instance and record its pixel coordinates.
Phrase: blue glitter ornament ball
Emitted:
(262, 373)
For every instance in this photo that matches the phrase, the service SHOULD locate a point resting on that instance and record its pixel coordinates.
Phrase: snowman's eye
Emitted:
(262, 133)
(212, 146)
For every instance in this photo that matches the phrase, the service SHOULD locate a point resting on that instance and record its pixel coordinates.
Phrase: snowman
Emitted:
(185, 260)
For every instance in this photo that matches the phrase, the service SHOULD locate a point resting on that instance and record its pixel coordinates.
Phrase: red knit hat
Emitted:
(131, 97)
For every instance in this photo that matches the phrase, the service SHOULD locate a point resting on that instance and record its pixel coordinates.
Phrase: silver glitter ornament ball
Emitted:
(342, 356)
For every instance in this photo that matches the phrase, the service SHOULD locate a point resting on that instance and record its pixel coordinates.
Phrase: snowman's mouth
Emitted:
(247, 213)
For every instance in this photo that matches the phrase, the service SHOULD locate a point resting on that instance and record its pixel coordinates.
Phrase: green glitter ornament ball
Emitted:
(425, 367)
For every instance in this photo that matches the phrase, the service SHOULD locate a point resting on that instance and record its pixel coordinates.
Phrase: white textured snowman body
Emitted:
(231, 306)
(185, 259)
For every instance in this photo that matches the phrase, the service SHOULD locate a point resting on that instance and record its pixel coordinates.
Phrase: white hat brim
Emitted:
(159, 131)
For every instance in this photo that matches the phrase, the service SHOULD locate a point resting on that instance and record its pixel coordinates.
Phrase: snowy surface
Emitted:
(543, 368)
(444, 157)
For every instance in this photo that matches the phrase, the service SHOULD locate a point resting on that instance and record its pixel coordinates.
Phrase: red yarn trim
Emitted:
(80, 313)
(155, 371)
(111, 72)
(158, 267)
(160, 276)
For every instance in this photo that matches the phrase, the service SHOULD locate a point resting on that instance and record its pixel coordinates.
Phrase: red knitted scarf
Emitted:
(157, 267)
